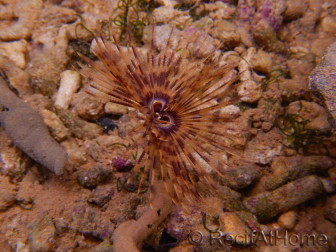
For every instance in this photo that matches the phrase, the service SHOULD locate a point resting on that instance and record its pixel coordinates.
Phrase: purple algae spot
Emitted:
(120, 163)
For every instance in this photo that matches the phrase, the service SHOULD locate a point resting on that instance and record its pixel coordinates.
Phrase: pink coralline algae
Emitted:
(188, 31)
(120, 163)
(179, 223)
(245, 13)
(251, 202)
(268, 12)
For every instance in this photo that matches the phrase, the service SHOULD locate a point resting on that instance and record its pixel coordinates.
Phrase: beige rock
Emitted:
(262, 61)
(164, 14)
(22, 247)
(170, 2)
(222, 11)
(77, 126)
(203, 23)
(203, 46)
(315, 114)
(311, 16)
(238, 129)
(328, 185)
(161, 35)
(225, 31)
(249, 90)
(302, 66)
(328, 24)
(18, 78)
(268, 248)
(292, 89)
(246, 37)
(42, 234)
(15, 51)
(115, 109)
(270, 227)
(92, 13)
(219, 89)
(287, 169)
(265, 36)
(235, 227)
(49, 23)
(299, 49)
(13, 161)
(7, 193)
(28, 11)
(268, 204)
(88, 107)
(295, 9)
(213, 206)
(9, 1)
(39, 102)
(288, 219)
(262, 153)
(319, 45)
(230, 110)
(55, 125)
(51, 60)
(77, 156)
(6, 11)
(332, 175)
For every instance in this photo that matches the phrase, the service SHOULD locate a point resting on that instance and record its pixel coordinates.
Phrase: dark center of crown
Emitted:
(165, 118)
(157, 106)
(158, 109)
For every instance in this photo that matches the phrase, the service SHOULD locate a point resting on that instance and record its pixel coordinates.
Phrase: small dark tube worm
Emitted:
(25, 127)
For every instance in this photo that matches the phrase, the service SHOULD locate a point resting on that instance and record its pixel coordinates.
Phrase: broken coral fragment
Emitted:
(322, 80)
(18, 78)
(55, 125)
(27, 12)
(115, 109)
(70, 82)
(268, 204)
(290, 168)
(15, 51)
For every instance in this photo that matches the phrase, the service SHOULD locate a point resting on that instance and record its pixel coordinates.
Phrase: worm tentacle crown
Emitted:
(175, 106)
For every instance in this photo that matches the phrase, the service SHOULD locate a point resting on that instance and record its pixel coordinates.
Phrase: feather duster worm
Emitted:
(173, 104)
